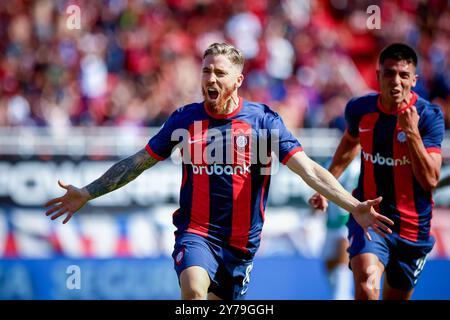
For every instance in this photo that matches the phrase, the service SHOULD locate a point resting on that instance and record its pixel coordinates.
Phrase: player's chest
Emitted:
(226, 133)
(221, 141)
(381, 132)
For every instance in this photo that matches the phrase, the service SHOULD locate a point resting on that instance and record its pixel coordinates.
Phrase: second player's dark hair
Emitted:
(398, 51)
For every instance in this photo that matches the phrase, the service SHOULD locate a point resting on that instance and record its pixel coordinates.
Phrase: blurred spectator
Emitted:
(134, 61)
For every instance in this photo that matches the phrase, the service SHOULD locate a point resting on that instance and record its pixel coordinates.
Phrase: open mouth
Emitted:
(395, 92)
(213, 94)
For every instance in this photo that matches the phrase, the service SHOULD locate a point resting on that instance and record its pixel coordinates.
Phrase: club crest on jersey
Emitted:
(241, 141)
(401, 137)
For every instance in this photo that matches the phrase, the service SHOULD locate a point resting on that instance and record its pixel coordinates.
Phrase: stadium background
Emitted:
(73, 101)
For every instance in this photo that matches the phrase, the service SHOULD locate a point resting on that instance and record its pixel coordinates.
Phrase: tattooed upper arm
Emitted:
(121, 173)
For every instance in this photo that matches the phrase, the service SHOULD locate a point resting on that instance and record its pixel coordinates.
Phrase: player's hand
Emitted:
(69, 203)
(318, 202)
(408, 120)
(366, 216)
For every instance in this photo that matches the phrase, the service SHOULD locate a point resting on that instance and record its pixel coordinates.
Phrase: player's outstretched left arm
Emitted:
(117, 176)
(326, 184)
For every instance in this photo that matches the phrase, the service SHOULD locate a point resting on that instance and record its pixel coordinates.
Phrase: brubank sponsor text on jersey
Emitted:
(385, 161)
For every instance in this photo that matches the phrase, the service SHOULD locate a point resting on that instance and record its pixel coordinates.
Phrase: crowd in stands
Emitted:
(133, 62)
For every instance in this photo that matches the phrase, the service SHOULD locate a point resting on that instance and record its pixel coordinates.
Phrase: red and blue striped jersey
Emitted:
(226, 169)
(385, 162)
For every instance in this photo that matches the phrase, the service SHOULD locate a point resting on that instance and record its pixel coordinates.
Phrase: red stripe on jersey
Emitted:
(184, 178)
(242, 184)
(199, 220)
(433, 150)
(366, 128)
(290, 154)
(404, 193)
(184, 174)
(153, 154)
(263, 190)
(201, 231)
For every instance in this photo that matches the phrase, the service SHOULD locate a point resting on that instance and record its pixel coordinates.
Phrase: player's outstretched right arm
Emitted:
(325, 183)
(345, 153)
(117, 176)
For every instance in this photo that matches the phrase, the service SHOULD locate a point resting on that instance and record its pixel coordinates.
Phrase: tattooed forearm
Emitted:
(121, 173)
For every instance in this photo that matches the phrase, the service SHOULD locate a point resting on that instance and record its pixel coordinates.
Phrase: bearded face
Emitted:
(220, 79)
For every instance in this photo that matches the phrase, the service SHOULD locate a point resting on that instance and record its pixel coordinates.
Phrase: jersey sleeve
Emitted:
(160, 146)
(433, 129)
(283, 142)
(352, 119)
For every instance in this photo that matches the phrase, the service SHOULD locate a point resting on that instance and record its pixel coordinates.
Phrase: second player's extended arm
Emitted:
(326, 184)
(346, 151)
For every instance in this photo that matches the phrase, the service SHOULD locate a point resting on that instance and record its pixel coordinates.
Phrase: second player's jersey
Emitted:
(226, 169)
(386, 165)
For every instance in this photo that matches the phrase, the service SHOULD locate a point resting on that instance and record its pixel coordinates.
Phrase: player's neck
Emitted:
(394, 107)
(230, 105)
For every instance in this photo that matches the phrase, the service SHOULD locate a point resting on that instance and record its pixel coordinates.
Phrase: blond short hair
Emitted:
(233, 54)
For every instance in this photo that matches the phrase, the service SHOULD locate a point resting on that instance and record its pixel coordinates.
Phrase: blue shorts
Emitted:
(403, 260)
(228, 270)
